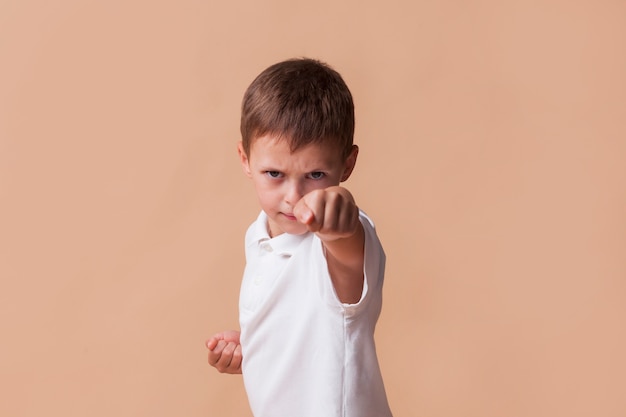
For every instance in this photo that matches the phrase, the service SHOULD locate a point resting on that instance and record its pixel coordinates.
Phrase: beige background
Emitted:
(493, 142)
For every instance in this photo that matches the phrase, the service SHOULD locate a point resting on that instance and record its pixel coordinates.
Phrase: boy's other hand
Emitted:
(225, 352)
(331, 213)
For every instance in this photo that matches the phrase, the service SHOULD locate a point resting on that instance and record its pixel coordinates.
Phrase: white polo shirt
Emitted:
(305, 353)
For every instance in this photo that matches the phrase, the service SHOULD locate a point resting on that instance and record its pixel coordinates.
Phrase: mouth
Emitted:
(289, 216)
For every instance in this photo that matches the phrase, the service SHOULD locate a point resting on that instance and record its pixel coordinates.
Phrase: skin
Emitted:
(299, 191)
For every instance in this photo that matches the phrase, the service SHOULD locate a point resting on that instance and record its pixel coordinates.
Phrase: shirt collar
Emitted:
(283, 244)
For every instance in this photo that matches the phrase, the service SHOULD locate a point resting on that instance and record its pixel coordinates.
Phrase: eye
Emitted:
(273, 174)
(316, 175)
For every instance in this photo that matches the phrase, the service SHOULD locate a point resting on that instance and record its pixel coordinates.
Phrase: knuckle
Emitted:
(333, 197)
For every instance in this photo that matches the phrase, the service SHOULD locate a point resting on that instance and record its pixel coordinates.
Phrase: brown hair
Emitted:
(303, 101)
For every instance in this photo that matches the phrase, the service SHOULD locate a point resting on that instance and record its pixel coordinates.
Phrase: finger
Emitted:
(210, 343)
(226, 358)
(333, 211)
(212, 358)
(235, 363)
(338, 213)
(348, 217)
(216, 354)
(303, 213)
(316, 203)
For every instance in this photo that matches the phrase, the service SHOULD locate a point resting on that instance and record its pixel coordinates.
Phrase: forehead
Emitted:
(276, 149)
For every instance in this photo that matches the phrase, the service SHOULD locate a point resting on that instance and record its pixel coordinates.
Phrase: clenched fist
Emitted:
(331, 213)
(225, 352)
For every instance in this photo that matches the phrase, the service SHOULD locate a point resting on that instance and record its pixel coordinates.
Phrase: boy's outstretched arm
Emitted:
(333, 216)
(225, 352)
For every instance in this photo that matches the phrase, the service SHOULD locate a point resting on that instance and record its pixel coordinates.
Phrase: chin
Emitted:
(287, 226)
(294, 229)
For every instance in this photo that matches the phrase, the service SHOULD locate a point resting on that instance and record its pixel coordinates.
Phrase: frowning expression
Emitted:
(282, 177)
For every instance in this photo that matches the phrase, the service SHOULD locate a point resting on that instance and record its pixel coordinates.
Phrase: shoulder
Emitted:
(371, 237)
(257, 230)
(366, 220)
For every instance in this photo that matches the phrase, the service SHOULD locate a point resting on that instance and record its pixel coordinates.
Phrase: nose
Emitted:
(293, 193)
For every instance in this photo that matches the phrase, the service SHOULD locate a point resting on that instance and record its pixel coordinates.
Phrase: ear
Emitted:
(350, 163)
(243, 157)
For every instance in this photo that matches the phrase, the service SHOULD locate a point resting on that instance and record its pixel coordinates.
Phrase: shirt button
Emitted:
(266, 247)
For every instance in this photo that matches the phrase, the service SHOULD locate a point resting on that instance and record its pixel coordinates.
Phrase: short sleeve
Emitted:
(373, 272)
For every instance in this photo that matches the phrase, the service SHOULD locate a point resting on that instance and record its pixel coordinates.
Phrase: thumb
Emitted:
(211, 343)
(303, 213)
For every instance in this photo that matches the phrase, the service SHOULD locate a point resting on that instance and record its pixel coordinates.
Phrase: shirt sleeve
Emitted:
(373, 272)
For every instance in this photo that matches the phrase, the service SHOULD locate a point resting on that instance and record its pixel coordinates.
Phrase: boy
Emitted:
(312, 287)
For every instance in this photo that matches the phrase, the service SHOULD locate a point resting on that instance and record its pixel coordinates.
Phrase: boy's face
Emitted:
(281, 178)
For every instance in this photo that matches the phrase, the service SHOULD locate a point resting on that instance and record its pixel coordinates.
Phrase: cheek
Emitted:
(267, 194)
